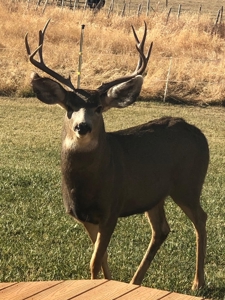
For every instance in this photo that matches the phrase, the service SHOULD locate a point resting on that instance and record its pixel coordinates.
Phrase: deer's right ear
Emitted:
(122, 94)
(47, 90)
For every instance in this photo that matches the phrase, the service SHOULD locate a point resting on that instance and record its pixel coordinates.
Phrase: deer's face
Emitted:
(84, 116)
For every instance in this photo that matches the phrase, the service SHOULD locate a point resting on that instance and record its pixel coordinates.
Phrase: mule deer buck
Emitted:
(107, 175)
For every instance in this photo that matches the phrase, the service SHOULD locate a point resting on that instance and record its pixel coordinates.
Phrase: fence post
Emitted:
(38, 3)
(179, 11)
(139, 10)
(109, 11)
(85, 5)
(46, 2)
(221, 14)
(199, 12)
(129, 3)
(218, 16)
(123, 10)
(167, 80)
(80, 56)
(112, 3)
(148, 8)
(74, 5)
(168, 15)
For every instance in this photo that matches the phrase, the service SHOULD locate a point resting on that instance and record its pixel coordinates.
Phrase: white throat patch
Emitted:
(83, 143)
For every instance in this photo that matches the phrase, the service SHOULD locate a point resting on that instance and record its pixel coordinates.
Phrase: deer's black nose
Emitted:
(83, 128)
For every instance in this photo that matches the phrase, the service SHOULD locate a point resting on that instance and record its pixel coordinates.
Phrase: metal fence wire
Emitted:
(131, 7)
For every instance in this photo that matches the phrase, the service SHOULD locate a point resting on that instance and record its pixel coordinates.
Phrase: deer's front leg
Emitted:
(100, 246)
(93, 230)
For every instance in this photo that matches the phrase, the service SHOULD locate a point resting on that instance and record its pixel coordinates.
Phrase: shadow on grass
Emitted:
(175, 100)
(212, 293)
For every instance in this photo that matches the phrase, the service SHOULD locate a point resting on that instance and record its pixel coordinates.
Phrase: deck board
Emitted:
(110, 290)
(144, 293)
(99, 289)
(173, 296)
(4, 285)
(24, 290)
(68, 289)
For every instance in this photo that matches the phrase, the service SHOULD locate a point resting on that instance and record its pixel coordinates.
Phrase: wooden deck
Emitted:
(100, 289)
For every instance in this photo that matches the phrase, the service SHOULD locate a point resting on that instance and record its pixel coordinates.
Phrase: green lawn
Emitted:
(38, 241)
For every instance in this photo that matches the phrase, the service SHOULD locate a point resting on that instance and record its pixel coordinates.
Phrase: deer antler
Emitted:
(40, 64)
(143, 60)
(141, 66)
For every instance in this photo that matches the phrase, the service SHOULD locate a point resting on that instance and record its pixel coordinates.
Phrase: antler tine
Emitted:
(27, 45)
(144, 36)
(135, 35)
(40, 64)
(140, 46)
(143, 61)
(41, 39)
(141, 66)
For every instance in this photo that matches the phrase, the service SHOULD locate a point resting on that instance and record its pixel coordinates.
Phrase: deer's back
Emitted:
(158, 157)
(165, 135)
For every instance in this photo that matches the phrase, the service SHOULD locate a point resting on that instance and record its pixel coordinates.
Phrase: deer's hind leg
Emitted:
(160, 231)
(92, 232)
(190, 204)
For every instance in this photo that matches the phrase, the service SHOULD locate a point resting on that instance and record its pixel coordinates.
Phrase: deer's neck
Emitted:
(84, 154)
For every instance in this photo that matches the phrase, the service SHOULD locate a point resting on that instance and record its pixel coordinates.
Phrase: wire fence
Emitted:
(166, 77)
(131, 7)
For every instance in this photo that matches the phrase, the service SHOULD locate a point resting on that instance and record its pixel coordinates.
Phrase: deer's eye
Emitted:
(98, 109)
(69, 111)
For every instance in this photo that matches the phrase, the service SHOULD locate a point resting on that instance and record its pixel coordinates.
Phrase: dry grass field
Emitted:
(192, 46)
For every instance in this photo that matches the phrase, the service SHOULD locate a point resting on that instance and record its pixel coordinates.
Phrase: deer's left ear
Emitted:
(123, 94)
(47, 90)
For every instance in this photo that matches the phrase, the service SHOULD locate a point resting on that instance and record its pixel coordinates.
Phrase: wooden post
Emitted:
(110, 10)
(139, 10)
(46, 2)
(167, 80)
(85, 5)
(38, 3)
(168, 15)
(179, 11)
(217, 17)
(129, 4)
(80, 56)
(199, 12)
(148, 8)
(221, 14)
(74, 5)
(123, 10)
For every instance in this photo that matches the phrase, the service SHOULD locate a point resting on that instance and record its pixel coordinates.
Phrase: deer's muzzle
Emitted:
(83, 128)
